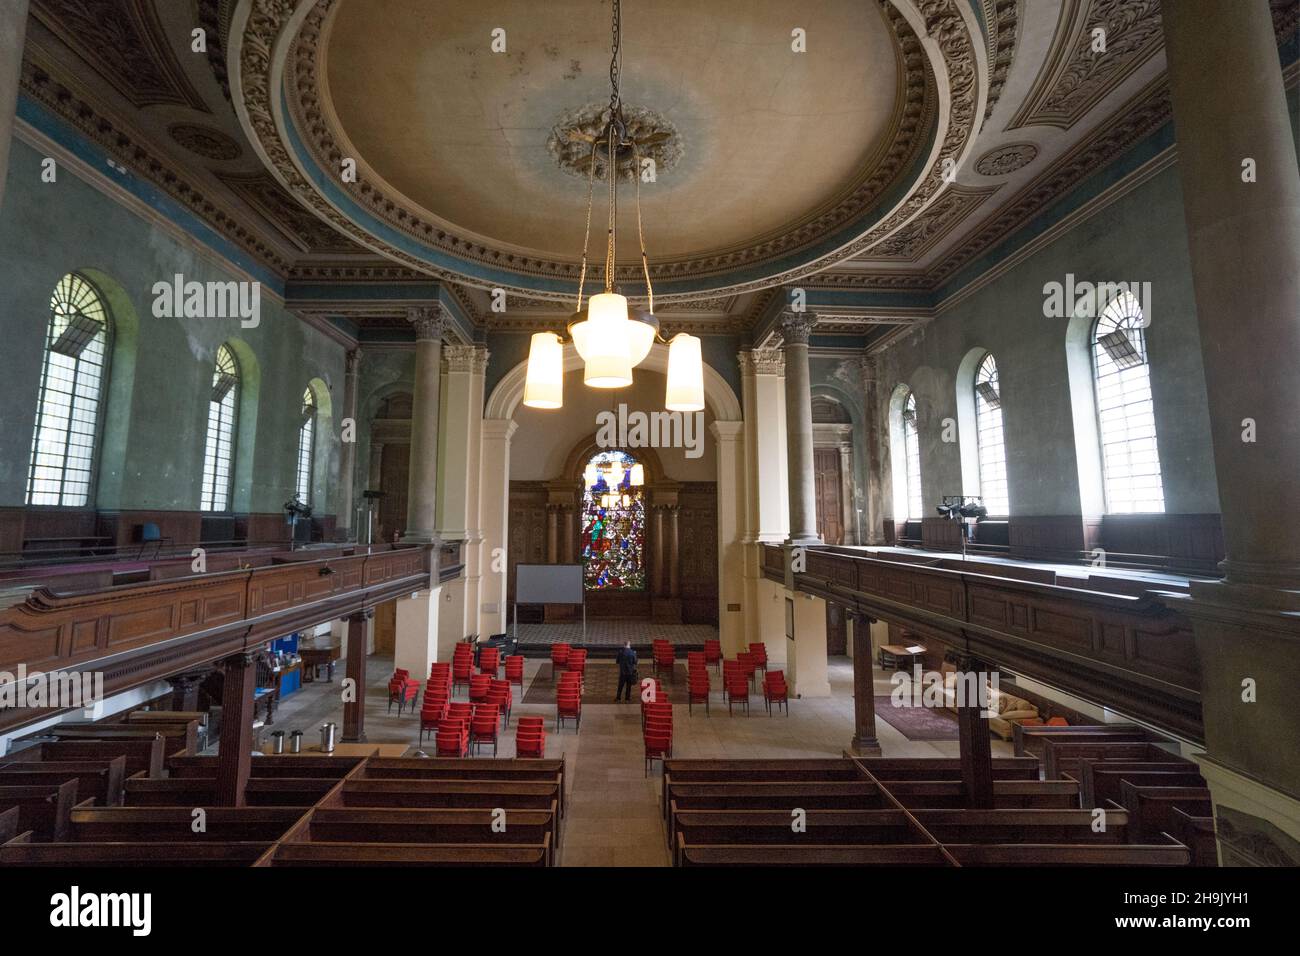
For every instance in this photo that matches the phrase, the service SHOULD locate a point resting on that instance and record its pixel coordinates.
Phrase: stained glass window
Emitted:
(72, 380)
(613, 523)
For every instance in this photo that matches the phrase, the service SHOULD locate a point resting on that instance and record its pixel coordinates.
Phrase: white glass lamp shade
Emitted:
(607, 342)
(638, 475)
(544, 382)
(641, 338)
(685, 392)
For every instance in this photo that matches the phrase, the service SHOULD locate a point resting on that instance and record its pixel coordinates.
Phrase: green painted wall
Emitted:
(160, 376)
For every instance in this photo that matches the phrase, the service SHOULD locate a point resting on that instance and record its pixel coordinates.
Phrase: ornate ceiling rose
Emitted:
(275, 41)
(1006, 159)
(571, 140)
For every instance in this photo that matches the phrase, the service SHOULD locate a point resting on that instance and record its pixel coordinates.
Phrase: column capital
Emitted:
(761, 362)
(466, 358)
(499, 429)
(353, 360)
(797, 326)
(727, 431)
(429, 321)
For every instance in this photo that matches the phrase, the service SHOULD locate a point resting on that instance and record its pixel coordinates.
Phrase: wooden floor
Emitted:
(614, 817)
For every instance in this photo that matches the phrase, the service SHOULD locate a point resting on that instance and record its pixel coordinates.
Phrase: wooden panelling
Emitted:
(940, 534)
(1192, 542)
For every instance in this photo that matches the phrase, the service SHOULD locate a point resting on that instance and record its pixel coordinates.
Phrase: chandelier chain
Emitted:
(640, 233)
(586, 236)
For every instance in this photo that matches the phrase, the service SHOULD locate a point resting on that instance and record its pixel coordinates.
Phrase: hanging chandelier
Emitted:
(611, 337)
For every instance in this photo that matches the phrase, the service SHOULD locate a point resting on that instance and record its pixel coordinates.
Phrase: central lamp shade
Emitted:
(544, 382)
(685, 392)
(607, 342)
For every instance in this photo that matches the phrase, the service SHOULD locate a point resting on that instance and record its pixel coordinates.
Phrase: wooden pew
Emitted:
(151, 854)
(836, 795)
(1021, 826)
(824, 828)
(1101, 782)
(176, 824)
(325, 768)
(101, 780)
(142, 756)
(945, 768)
(8, 824)
(522, 827)
(1061, 757)
(1007, 794)
(1166, 853)
(45, 810)
(1197, 834)
(812, 770)
(907, 854)
(201, 791)
(408, 854)
(1151, 808)
(1030, 740)
(451, 794)
(181, 736)
(454, 768)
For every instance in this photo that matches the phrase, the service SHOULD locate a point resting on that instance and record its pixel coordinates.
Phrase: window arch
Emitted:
(905, 445)
(306, 447)
(991, 439)
(219, 448)
(912, 447)
(613, 523)
(1125, 413)
(74, 373)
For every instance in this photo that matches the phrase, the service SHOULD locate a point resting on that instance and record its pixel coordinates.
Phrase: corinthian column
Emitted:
(874, 532)
(347, 506)
(421, 501)
(795, 328)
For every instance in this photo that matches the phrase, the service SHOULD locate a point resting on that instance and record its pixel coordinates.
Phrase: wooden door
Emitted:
(386, 628)
(830, 505)
(394, 478)
(837, 632)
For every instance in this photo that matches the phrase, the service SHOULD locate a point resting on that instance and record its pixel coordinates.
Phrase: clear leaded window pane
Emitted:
(1125, 413)
(992, 439)
(912, 448)
(219, 446)
(306, 447)
(67, 412)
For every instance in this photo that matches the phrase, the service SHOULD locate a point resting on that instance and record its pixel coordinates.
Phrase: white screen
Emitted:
(548, 584)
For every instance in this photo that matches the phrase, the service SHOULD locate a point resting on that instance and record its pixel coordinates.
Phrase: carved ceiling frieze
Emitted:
(1003, 19)
(1080, 73)
(205, 141)
(1006, 159)
(940, 217)
(308, 232)
(125, 43)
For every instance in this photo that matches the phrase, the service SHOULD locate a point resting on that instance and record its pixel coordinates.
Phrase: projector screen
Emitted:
(548, 584)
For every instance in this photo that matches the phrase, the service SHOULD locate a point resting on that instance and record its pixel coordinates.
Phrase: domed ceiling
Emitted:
(765, 138)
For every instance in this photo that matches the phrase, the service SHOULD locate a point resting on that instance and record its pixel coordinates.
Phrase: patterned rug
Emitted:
(917, 723)
(600, 683)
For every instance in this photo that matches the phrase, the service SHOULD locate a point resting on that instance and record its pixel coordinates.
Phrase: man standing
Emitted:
(627, 673)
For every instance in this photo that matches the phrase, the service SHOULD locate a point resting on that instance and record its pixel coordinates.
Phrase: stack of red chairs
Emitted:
(748, 664)
(462, 665)
(489, 661)
(459, 710)
(437, 692)
(759, 652)
(775, 692)
(697, 679)
(568, 699)
(656, 695)
(515, 670)
(658, 732)
(478, 688)
(530, 738)
(402, 691)
(577, 663)
(483, 727)
(453, 736)
(500, 697)
(664, 656)
(735, 684)
(559, 659)
(713, 652)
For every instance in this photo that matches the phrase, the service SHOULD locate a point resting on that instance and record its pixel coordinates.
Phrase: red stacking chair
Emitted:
(459, 710)
(736, 685)
(775, 692)
(453, 739)
(431, 714)
(530, 738)
(694, 659)
(698, 690)
(559, 658)
(402, 691)
(499, 695)
(660, 710)
(515, 669)
(568, 707)
(712, 652)
(657, 747)
(748, 664)
(489, 661)
(483, 727)
(478, 688)
(656, 691)
(462, 666)
(759, 651)
(664, 657)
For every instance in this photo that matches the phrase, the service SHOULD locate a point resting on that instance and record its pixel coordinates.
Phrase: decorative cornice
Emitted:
(1003, 19)
(465, 358)
(429, 322)
(922, 233)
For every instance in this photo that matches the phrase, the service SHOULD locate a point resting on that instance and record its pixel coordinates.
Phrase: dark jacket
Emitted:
(626, 662)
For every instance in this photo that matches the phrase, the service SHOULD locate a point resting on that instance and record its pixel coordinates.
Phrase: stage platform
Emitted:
(605, 637)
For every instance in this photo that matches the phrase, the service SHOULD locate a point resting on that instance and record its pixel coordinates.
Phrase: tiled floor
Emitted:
(613, 817)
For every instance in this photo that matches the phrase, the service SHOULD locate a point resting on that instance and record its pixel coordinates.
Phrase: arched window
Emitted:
(219, 450)
(73, 376)
(1125, 414)
(306, 447)
(992, 440)
(613, 523)
(912, 451)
